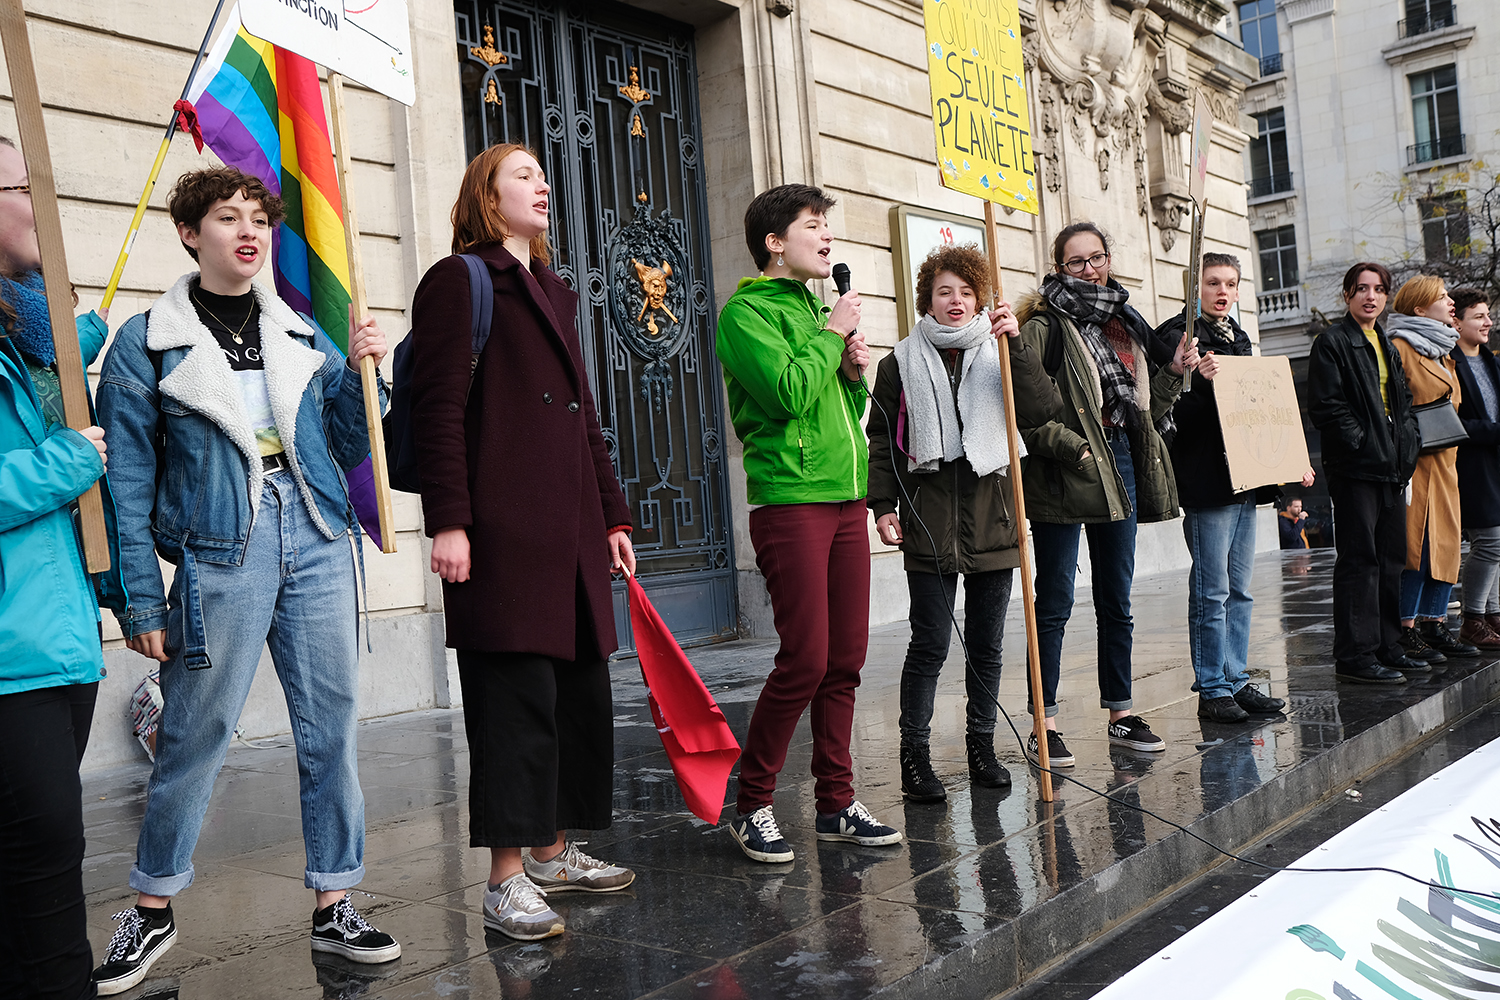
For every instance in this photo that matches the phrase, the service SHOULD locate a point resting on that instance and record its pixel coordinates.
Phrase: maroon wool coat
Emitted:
(523, 466)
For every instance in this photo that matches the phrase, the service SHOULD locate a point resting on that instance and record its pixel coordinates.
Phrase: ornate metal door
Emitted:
(607, 96)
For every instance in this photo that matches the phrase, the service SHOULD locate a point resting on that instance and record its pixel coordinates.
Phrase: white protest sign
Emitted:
(368, 41)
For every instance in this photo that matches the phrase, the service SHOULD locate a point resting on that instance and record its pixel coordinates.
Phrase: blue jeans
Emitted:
(986, 600)
(1112, 555)
(1222, 543)
(1421, 595)
(296, 593)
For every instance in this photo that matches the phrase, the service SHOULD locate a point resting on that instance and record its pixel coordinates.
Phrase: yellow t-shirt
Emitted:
(1385, 370)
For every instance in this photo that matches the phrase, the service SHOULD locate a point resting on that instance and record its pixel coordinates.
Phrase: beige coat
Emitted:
(1434, 510)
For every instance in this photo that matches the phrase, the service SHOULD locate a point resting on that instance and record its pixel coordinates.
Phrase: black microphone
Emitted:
(841, 278)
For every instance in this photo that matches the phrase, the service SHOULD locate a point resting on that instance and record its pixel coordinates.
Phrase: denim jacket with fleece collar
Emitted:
(195, 496)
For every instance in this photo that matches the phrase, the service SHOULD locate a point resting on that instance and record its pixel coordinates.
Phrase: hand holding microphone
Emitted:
(845, 321)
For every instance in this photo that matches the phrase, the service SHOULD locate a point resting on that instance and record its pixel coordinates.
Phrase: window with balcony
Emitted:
(1423, 16)
(1278, 258)
(1445, 226)
(1434, 113)
(1258, 34)
(1270, 169)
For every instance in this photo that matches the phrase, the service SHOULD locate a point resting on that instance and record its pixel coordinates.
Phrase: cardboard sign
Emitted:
(1261, 421)
(979, 110)
(1203, 133)
(368, 41)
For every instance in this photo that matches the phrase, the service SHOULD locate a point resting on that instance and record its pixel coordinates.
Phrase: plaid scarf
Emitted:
(1090, 306)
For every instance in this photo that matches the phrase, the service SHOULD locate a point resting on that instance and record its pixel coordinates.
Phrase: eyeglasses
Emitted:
(1097, 262)
(23, 188)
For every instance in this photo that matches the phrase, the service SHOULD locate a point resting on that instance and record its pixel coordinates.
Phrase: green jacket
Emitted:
(797, 417)
(1061, 488)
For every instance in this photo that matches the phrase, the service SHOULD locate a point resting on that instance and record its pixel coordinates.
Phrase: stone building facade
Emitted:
(1365, 118)
(658, 121)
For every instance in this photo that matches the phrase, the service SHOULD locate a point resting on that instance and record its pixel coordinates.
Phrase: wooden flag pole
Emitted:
(33, 136)
(1028, 586)
(357, 293)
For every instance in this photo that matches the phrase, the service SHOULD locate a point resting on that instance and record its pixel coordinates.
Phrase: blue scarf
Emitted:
(32, 331)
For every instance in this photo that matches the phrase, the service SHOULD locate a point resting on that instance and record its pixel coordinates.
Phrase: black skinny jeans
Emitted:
(44, 940)
(986, 599)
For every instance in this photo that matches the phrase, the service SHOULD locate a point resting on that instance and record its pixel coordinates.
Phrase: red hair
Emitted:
(476, 213)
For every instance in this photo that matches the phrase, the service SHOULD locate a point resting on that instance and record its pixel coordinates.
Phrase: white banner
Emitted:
(1366, 936)
(368, 41)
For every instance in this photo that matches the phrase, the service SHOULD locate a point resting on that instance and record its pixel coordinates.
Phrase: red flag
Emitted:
(698, 741)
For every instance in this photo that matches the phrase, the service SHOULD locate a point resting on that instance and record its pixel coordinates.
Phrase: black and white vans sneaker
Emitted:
(138, 942)
(856, 826)
(1058, 754)
(1133, 732)
(340, 930)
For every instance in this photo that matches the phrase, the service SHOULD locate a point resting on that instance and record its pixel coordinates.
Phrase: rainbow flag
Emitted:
(260, 108)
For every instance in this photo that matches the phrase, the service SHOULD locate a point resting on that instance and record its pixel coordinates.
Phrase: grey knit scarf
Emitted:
(936, 431)
(1431, 338)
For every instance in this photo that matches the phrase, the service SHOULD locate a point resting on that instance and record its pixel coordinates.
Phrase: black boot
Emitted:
(984, 768)
(918, 782)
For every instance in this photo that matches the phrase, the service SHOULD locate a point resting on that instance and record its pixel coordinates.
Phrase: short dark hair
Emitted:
(1222, 260)
(965, 260)
(1465, 299)
(773, 211)
(196, 191)
(1351, 276)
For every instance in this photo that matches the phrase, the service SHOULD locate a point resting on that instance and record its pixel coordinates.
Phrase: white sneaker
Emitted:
(572, 869)
(518, 909)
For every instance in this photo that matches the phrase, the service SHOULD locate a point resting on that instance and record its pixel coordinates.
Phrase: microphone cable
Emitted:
(1020, 741)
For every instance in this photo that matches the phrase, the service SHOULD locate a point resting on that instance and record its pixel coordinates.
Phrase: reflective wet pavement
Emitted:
(988, 889)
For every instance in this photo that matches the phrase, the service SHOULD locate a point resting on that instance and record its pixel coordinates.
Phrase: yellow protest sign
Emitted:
(979, 111)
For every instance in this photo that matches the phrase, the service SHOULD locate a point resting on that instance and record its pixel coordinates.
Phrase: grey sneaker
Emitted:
(572, 869)
(518, 909)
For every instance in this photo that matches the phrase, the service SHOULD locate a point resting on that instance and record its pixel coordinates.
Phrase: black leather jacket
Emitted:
(1343, 388)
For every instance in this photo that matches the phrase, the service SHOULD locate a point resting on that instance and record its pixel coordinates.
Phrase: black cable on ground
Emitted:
(1021, 742)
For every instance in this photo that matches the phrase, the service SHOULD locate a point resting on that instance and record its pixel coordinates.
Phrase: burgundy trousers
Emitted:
(816, 561)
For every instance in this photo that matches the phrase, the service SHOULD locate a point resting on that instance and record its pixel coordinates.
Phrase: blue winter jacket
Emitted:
(49, 618)
(183, 457)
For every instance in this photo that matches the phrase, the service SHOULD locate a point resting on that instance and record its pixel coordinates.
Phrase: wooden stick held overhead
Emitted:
(1028, 587)
(357, 292)
(33, 137)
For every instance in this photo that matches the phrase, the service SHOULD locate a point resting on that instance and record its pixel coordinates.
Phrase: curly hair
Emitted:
(965, 260)
(197, 190)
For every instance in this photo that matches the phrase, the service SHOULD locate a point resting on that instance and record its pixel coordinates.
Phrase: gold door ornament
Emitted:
(653, 293)
(492, 93)
(487, 53)
(633, 91)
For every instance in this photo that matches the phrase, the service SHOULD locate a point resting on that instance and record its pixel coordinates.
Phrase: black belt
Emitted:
(274, 463)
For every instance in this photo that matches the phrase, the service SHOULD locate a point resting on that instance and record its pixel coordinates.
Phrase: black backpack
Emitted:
(400, 448)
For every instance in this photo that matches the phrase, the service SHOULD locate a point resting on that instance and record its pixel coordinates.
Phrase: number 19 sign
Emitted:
(979, 110)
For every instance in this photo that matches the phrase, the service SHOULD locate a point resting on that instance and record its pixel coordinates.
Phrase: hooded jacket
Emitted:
(1343, 401)
(49, 618)
(951, 519)
(796, 415)
(1061, 486)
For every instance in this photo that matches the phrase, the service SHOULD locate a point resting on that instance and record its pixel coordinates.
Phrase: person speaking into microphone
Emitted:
(794, 372)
